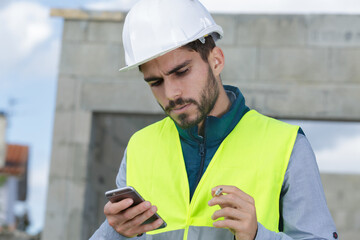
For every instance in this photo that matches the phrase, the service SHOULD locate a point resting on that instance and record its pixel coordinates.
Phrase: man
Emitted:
(211, 140)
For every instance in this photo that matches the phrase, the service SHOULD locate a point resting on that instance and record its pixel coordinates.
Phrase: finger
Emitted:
(234, 190)
(244, 228)
(227, 223)
(229, 200)
(139, 219)
(139, 229)
(150, 226)
(212, 203)
(230, 213)
(114, 208)
(132, 212)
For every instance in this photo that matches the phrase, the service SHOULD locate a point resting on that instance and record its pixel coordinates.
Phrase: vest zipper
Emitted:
(202, 148)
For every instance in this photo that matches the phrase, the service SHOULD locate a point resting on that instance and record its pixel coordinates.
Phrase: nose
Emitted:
(173, 89)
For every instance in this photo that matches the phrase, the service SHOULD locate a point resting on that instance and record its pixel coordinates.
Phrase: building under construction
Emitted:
(288, 61)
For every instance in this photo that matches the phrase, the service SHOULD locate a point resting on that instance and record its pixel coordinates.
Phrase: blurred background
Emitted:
(51, 65)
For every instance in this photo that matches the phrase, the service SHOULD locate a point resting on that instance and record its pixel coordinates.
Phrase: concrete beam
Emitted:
(76, 14)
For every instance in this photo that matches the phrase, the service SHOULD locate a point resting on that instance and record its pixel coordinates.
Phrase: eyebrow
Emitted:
(175, 69)
(178, 67)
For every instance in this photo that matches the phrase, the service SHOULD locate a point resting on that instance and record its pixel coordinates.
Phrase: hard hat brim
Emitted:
(217, 33)
(130, 67)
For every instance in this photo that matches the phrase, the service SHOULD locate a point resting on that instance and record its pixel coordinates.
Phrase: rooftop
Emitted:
(16, 160)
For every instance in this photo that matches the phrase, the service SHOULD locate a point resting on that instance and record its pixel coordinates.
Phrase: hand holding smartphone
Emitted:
(119, 194)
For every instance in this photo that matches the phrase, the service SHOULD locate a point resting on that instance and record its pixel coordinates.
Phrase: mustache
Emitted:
(178, 102)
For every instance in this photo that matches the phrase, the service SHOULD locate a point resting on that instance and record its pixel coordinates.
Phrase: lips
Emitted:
(181, 108)
(179, 105)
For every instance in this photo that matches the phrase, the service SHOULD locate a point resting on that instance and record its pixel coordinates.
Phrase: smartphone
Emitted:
(119, 194)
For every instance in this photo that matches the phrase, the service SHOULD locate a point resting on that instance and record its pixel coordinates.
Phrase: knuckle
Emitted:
(119, 229)
(248, 216)
(138, 221)
(231, 197)
(146, 214)
(127, 216)
(233, 188)
(227, 210)
(224, 223)
(130, 227)
(107, 209)
(144, 206)
(112, 222)
(150, 212)
(147, 227)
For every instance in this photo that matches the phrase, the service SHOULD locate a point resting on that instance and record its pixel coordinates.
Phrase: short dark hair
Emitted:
(203, 49)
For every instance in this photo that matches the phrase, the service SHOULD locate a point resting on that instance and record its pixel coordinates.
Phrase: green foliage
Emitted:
(3, 179)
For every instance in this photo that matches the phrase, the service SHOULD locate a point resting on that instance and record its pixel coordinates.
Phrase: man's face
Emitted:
(183, 84)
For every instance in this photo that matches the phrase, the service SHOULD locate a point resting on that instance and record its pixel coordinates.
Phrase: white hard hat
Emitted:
(155, 27)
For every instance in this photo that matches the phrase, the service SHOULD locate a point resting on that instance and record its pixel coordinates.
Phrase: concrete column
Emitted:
(83, 57)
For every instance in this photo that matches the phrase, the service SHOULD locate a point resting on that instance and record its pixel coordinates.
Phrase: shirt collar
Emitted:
(216, 129)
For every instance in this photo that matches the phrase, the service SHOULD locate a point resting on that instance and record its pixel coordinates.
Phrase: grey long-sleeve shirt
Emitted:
(304, 212)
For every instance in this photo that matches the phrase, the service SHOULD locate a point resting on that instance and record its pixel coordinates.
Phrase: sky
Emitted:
(30, 45)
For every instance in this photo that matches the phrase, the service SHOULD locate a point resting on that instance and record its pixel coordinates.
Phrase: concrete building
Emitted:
(305, 65)
(13, 184)
(13, 177)
(2, 138)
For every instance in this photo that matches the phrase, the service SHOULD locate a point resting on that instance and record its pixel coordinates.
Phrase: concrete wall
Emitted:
(288, 66)
(110, 134)
(343, 198)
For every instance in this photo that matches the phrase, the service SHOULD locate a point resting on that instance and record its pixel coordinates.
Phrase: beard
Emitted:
(208, 97)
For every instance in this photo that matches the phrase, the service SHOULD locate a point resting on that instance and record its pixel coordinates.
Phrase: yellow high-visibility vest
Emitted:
(253, 157)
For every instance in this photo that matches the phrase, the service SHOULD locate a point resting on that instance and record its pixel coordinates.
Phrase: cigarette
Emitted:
(218, 192)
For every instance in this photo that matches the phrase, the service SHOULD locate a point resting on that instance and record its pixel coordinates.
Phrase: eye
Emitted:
(156, 83)
(182, 72)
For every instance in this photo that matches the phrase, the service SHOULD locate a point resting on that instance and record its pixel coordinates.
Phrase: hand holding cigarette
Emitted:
(237, 211)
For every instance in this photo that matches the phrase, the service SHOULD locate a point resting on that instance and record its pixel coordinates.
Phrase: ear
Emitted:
(216, 60)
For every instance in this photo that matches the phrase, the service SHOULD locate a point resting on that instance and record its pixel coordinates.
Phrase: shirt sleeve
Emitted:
(105, 231)
(304, 212)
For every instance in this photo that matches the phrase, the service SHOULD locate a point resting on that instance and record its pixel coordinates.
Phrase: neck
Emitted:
(221, 106)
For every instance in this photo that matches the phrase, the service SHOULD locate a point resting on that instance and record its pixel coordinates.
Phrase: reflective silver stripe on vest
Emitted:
(172, 235)
(195, 233)
(209, 233)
